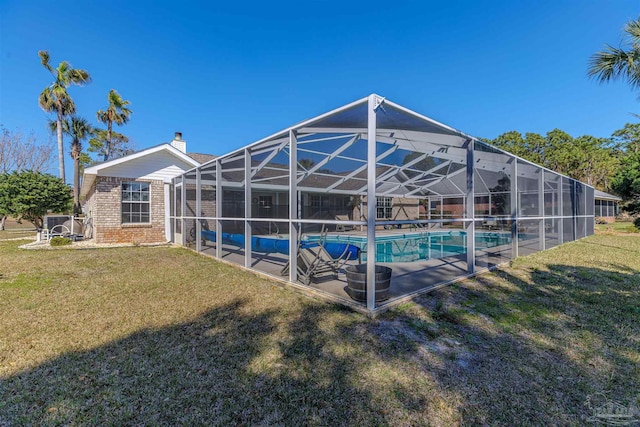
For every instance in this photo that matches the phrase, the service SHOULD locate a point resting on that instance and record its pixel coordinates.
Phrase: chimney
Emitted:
(179, 143)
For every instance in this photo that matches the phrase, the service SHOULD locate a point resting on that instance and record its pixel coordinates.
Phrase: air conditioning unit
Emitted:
(51, 221)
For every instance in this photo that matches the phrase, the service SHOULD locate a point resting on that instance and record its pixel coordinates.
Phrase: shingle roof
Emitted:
(201, 157)
(601, 195)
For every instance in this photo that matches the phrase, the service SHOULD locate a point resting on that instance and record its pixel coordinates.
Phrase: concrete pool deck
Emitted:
(407, 277)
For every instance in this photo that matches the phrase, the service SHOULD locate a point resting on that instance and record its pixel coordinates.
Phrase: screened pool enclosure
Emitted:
(326, 204)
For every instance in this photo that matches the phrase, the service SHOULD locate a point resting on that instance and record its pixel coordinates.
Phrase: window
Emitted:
(384, 208)
(135, 202)
(265, 202)
(319, 201)
(330, 203)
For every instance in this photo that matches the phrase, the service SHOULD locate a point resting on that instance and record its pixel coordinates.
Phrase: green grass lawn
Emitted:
(17, 234)
(163, 336)
(14, 230)
(617, 227)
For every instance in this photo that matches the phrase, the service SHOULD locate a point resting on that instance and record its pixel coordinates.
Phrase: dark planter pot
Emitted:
(357, 282)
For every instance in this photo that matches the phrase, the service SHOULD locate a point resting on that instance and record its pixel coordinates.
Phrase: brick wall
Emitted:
(403, 208)
(105, 203)
(207, 202)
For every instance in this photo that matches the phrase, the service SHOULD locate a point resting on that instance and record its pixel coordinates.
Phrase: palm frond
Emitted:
(619, 62)
(79, 77)
(44, 59)
(632, 31)
(46, 100)
(632, 69)
(614, 63)
(52, 125)
(121, 118)
(102, 116)
(62, 73)
(606, 65)
(80, 128)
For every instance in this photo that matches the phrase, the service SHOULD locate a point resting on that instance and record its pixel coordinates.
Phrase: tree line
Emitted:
(599, 162)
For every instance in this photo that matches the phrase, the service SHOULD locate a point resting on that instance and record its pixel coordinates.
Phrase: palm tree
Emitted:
(55, 98)
(78, 129)
(624, 62)
(118, 113)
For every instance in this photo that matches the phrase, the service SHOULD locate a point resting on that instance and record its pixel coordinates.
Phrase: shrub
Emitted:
(29, 195)
(632, 229)
(636, 222)
(59, 241)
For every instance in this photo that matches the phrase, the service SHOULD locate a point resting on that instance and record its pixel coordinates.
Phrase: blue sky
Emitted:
(228, 74)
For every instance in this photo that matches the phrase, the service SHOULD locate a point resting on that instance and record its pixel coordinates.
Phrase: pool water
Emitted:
(421, 246)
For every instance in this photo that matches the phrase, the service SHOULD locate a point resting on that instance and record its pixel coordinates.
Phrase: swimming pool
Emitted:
(410, 247)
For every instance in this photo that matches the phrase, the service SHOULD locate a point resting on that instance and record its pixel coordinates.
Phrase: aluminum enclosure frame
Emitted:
(369, 149)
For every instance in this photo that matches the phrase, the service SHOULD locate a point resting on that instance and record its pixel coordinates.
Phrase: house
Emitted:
(607, 206)
(127, 199)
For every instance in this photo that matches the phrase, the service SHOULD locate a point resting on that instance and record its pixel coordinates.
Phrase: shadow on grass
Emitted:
(611, 246)
(533, 350)
(201, 372)
(500, 350)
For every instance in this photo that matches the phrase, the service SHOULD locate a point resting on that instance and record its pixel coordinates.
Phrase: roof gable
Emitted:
(161, 162)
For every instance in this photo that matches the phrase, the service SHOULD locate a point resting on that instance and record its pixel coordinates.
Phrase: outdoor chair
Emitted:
(338, 261)
(315, 263)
